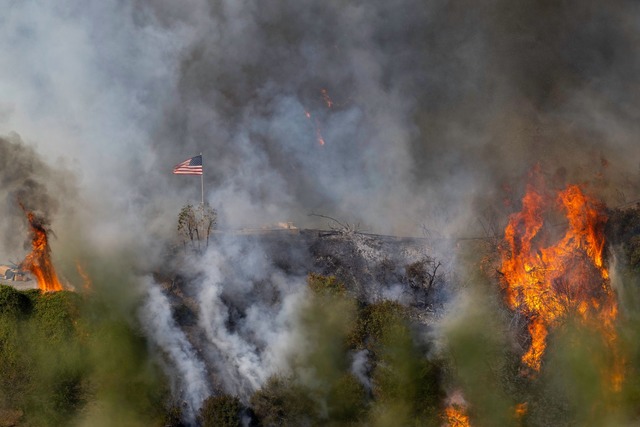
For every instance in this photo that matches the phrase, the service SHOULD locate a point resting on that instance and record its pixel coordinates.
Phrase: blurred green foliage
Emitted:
(220, 411)
(62, 365)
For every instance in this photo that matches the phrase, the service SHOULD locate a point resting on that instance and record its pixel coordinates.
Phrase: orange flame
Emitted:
(38, 262)
(455, 416)
(547, 282)
(521, 410)
(86, 280)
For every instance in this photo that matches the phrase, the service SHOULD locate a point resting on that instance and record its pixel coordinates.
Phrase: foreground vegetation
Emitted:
(65, 360)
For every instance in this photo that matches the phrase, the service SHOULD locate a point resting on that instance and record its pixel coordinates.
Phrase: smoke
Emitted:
(360, 367)
(189, 382)
(247, 310)
(433, 106)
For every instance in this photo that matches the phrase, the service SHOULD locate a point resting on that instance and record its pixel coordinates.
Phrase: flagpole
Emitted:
(202, 181)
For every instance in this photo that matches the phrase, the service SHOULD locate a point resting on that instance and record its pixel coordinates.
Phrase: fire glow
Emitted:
(319, 137)
(547, 281)
(455, 416)
(38, 262)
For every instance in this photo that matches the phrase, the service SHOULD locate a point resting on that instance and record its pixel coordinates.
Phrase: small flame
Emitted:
(547, 281)
(455, 416)
(38, 262)
(521, 409)
(326, 98)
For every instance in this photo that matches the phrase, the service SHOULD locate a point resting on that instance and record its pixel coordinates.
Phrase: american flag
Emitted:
(192, 166)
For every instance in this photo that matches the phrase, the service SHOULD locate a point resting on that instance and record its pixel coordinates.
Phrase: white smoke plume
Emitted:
(360, 368)
(247, 310)
(189, 377)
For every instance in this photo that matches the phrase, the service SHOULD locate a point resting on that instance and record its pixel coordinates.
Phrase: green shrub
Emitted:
(372, 322)
(346, 400)
(283, 402)
(55, 314)
(326, 285)
(13, 303)
(220, 411)
(405, 381)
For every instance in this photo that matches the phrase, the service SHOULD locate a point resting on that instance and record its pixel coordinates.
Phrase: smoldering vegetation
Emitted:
(297, 346)
(255, 327)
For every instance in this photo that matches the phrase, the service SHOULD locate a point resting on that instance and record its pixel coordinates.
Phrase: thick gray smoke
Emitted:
(435, 107)
(427, 110)
(394, 115)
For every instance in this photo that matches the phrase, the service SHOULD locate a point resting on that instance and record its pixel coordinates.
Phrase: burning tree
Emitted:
(38, 262)
(548, 279)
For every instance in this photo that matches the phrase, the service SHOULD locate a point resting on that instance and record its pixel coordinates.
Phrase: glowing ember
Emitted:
(548, 281)
(327, 100)
(38, 262)
(455, 416)
(319, 137)
(86, 280)
(521, 410)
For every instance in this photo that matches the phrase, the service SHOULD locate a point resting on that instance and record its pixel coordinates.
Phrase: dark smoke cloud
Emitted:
(27, 182)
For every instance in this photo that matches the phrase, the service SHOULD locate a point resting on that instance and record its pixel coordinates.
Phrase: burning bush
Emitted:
(547, 280)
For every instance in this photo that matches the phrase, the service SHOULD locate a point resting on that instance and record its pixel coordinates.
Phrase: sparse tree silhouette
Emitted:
(340, 227)
(195, 225)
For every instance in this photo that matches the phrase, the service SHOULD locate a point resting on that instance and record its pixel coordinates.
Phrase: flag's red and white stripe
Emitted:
(192, 166)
